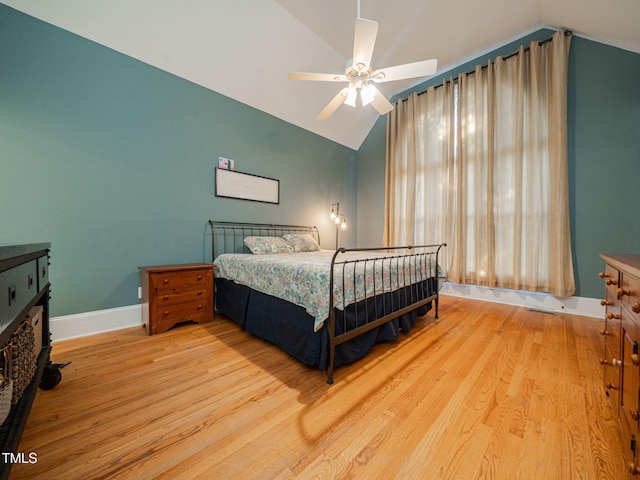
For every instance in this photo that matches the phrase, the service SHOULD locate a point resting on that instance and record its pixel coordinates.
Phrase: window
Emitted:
(482, 165)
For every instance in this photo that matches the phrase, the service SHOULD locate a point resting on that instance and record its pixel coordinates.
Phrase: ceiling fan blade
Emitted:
(333, 105)
(364, 41)
(424, 68)
(318, 77)
(379, 102)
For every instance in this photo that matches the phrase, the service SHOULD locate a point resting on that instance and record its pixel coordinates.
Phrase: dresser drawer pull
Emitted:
(622, 292)
(604, 275)
(12, 294)
(612, 315)
(604, 303)
(635, 359)
(634, 469)
(166, 312)
(199, 277)
(611, 282)
(604, 332)
(166, 297)
(166, 280)
(611, 386)
(636, 307)
(199, 307)
(199, 292)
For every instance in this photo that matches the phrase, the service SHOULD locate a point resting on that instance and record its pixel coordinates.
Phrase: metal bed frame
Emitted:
(414, 263)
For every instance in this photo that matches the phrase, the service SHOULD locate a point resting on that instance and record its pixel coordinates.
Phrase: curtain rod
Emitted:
(541, 42)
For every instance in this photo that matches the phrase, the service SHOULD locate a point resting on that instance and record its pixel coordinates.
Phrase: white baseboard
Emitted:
(90, 323)
(588, 307)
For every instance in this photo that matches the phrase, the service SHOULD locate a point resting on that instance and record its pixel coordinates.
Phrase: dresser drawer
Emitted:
(43, 271)
(18, 286)
(612, 377)
(611, 334)
(612, 278)
(629, 293)
(181, 278)
(182, 294)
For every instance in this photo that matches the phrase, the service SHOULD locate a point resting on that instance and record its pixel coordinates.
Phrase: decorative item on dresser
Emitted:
(24, 314)
(621, 351)
(173, 294)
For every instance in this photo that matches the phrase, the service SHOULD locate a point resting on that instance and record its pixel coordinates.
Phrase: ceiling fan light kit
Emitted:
(359, 72)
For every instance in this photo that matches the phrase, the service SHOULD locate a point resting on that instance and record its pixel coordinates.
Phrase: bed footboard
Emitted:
(368, 292)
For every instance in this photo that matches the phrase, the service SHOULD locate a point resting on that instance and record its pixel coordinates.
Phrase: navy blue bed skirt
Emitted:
(290, 327)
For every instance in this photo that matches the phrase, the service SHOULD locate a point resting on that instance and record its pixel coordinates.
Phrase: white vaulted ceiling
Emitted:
(244, 48)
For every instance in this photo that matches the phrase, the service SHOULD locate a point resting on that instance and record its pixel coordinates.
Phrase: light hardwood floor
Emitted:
(486, 391)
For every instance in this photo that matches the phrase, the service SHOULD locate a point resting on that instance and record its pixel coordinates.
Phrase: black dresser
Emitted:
(24, 284)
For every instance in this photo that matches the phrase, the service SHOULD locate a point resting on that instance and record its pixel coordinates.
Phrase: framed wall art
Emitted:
(245, 186)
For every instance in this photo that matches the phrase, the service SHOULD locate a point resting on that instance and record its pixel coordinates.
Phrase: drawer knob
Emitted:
(166, 297)
(611, 282)
(199, 307)
(604, 303)
(612, 315)
(611, 386)
(635, 359)
(604, 332)
(604, 275)
(622, 292)
(603, 361)
(199, 292)
(615, 362)
(166, 280)
(635, 414)
(636, 307)
(166, 312)
(199, 277)
(633, 469)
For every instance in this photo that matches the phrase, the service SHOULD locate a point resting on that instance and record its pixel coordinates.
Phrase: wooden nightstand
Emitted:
(173, 294)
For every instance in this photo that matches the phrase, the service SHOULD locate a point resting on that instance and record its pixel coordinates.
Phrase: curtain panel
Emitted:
(482, 165)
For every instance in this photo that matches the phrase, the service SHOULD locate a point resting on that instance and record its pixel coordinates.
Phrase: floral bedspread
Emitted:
(303, 278)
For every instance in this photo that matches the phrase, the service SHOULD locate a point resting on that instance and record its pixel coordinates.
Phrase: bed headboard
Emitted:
(228, 237)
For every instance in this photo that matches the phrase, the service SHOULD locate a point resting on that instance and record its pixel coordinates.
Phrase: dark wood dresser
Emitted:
(173, 294)
(621, 347)
(24, 284)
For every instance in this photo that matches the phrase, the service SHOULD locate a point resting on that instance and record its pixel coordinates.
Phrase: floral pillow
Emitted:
(266, 245)
(302, 242)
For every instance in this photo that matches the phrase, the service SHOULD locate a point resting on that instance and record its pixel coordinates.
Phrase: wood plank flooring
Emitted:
(487, 391)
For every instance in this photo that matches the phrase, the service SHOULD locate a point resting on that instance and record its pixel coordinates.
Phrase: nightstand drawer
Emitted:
(175, 279)
(182, 294)
(182, 312)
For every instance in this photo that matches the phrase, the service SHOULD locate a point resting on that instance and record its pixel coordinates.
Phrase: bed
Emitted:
(274, 281)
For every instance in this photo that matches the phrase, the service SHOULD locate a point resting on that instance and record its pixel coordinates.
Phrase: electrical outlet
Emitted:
(139, 293)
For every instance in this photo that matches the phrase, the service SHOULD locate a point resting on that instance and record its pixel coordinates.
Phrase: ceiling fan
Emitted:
(359, 73)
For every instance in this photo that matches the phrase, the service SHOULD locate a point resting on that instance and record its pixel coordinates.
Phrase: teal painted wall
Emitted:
(112, 161)
(604, 156)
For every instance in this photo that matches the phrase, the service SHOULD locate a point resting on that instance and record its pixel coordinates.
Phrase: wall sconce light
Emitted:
(338, 218)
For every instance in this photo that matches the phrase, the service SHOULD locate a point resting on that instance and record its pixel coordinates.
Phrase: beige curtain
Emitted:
(482, 165)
